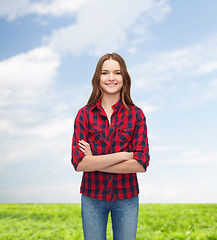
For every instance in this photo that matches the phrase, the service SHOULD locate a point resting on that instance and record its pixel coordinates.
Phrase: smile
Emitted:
(111, 84)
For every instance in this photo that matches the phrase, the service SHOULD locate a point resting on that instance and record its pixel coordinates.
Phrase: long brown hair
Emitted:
(97, 90)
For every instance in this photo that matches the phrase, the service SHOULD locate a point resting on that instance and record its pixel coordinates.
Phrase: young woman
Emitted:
(110, 146)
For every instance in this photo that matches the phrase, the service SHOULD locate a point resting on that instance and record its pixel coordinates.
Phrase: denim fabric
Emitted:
(124, 215)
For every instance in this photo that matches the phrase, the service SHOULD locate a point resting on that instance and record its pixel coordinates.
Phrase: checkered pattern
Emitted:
(126, 132)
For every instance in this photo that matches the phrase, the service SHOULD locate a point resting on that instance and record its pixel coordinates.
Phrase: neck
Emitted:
(108, 101)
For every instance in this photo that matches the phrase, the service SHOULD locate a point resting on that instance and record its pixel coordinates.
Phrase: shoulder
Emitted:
(84, 109)
(137, 113)
(83, 112)
(135, 110)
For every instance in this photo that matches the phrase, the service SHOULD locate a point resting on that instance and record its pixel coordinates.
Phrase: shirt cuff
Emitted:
(143, 158)
(77, 156)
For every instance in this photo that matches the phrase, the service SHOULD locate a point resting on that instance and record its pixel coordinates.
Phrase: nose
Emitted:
(111, 77)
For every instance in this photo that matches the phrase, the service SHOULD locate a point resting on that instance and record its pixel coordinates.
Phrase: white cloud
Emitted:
(100, 26)
(147, 108)
(210, 91)
(56, 7)
(12, 10)
(193, 156)
(213, 83)
(33, 119)
(172, 192)
(163, 148)
(68, 192)
(25, 79)
(170, 67)
(26, 76)
(104, 26)
(50, 129)
(49, 140)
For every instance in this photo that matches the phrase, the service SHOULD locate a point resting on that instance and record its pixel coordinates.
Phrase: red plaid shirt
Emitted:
(126, 132)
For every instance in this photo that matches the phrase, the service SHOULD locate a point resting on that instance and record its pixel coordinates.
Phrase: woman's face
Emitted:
(111, 79)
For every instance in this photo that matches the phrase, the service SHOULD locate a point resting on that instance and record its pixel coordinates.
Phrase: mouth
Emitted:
(111, 84)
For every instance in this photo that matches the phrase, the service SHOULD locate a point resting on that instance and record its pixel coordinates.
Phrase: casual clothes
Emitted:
(124, 215)
(126, 132)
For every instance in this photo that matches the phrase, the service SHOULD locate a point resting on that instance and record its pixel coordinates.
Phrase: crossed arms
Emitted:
(120, 162)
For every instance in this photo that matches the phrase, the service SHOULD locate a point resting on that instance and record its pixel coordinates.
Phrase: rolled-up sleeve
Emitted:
(140, 141)
(80, 133)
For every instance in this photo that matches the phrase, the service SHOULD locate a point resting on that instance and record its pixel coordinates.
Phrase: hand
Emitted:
(85, 148)
(127, 155)
(131, 155)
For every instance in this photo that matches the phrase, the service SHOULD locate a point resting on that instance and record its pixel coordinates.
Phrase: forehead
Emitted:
(111, 64)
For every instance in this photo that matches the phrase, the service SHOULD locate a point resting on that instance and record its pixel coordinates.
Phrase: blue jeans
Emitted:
(124, 215)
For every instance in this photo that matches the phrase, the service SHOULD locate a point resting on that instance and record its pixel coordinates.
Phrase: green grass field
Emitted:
(63, 221)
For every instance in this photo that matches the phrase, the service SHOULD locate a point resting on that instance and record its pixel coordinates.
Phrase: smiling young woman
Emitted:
(110, 146)
(111, 80)
(97, 90)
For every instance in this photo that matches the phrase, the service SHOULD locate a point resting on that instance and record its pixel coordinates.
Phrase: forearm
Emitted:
(128, 166)
(96, 162)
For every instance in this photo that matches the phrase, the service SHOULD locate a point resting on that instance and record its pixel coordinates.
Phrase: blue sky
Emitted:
(48, 54)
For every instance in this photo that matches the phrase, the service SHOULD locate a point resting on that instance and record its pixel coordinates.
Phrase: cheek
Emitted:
(121, 81)
(121, 85)
(102, 79)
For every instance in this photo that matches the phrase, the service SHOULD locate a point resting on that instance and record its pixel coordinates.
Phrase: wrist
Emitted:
(127, 156)
(121, 156)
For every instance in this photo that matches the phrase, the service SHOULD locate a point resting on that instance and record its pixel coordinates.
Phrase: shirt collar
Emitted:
(97, 104)
(118, 105)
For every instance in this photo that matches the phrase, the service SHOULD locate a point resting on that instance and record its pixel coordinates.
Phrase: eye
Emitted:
(104, 73)
(119, 73)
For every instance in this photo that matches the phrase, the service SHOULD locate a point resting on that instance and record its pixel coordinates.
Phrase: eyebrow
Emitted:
(108, 70)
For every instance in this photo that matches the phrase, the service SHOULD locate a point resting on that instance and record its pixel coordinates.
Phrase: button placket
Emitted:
(110, 190)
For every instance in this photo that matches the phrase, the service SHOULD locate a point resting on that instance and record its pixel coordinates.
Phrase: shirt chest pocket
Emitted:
(125, 133)
(95, 134)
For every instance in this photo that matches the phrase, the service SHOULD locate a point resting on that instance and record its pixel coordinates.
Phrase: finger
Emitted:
(81, 145)
(81, 149)
(83, 142)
